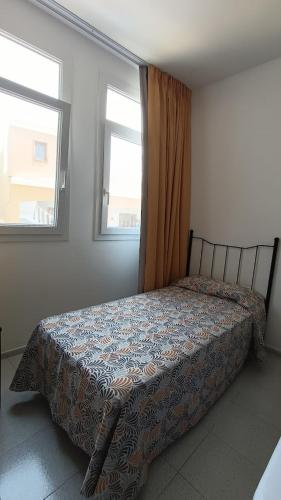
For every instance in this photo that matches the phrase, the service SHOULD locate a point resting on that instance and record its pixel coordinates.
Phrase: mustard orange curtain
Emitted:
(167, 190)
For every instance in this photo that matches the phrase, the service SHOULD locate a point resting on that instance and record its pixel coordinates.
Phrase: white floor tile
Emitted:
(180, 489)
(159, 475)
(248, 434)
(177, 453)
(70, 490)
(35, 468)
(219, 472)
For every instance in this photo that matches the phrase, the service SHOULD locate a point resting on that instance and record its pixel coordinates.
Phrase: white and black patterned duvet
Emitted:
(125, 379)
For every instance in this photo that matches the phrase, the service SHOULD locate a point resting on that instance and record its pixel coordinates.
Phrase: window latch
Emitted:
(63, 180)
(106, 193)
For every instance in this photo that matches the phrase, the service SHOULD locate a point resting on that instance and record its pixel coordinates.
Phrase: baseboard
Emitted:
(12, 352)
(273, 349)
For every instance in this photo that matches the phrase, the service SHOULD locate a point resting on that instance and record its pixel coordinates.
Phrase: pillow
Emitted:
(246, 298)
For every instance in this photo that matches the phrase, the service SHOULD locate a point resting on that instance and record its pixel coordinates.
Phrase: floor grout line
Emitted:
(259, 416)
(64, 482)
(177, 470)
(194, 487)
(187, 460)
(24, 440)
(227, 444)
(250, 413)
(196, 447)
(231, 447)
(165, 487)
(187, 481)
(241, 454)
(174, 475)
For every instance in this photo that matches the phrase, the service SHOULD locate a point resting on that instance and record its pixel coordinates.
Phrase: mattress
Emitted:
(127, 378)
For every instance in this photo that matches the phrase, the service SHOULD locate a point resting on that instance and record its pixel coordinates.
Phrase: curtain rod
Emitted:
(68, 17)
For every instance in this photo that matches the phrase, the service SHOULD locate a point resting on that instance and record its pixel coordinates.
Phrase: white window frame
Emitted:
(20, 232)
(105, 130)
(129, 135)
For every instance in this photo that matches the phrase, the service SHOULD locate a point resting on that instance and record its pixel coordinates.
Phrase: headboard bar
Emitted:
(239, 265)
(189, 249)
(225, 262)
(242, 249)
(271, 273)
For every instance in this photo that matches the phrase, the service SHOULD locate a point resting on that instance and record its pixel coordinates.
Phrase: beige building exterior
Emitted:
(27, 183)
(124, 212)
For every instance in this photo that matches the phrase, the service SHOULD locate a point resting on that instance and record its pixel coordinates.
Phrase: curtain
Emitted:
(166, 179)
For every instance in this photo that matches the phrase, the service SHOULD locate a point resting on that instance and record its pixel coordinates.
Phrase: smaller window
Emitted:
(121, 205)
(40, 151)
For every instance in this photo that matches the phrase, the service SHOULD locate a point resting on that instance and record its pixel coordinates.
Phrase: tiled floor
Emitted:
(222, 458)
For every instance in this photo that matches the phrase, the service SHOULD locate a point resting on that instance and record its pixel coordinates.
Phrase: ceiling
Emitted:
(197, 41)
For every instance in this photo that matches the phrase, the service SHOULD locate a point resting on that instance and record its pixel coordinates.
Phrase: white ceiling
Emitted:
(198, 41)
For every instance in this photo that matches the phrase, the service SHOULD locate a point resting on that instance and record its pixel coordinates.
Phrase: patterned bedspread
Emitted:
(127, 378)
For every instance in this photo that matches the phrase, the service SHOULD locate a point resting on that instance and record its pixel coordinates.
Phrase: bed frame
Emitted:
(241, 251)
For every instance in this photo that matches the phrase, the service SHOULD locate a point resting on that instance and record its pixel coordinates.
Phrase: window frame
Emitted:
(126, 134)
(101, 232)
(22, 232)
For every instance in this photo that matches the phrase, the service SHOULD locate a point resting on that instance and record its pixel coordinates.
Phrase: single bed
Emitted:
(127, 378)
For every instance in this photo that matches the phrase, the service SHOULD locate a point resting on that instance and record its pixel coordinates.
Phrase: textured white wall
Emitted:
(236, 165)
(40, 279)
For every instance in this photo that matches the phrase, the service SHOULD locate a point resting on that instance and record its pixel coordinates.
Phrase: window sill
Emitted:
(117, 237)
(34, 234)
(33, 238)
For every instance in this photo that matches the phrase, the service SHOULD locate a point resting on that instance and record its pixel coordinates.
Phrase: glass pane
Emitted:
(123, 110)
(40, 151)
(27, 186)
(29, 68)
(124, 209)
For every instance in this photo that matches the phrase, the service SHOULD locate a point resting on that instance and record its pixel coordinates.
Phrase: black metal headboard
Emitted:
(241, 251)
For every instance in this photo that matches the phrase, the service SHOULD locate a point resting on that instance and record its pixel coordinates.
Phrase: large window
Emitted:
(34, 131)
(121, 197)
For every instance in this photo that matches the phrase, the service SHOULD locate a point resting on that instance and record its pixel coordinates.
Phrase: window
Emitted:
(123, 110)
(40, 151)
(34, 129)
(121, 200)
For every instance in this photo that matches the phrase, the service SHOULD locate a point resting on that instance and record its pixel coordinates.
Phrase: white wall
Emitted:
(236, 165)
(40, 279)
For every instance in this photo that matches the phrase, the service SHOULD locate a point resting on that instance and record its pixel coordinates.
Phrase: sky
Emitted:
(125, 171)
(29, 68)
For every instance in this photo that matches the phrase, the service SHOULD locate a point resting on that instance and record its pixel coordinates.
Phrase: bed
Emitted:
(127, 378)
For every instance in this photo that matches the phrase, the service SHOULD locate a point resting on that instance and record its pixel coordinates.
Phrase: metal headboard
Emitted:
(241, 249)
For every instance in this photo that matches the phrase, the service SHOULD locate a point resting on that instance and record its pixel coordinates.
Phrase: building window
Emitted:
(34, 127)
(40, 151)
(121, 199)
